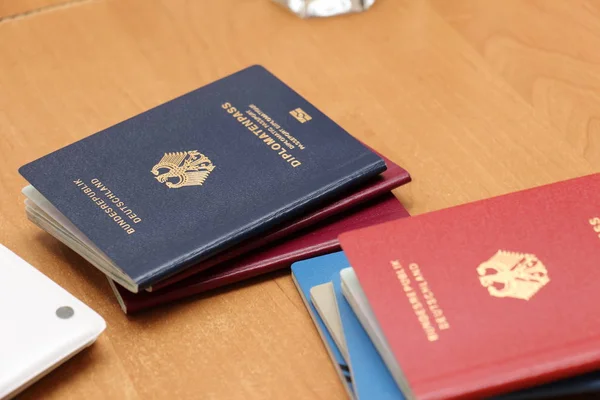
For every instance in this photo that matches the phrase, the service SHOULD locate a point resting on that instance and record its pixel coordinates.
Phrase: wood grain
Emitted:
(19, 8)
(400, 77)
(547, 51)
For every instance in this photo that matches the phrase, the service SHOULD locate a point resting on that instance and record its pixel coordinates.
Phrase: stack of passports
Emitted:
(491, 299)
(234, 179)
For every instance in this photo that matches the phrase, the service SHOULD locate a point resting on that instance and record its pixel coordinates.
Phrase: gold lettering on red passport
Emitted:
(422, 300)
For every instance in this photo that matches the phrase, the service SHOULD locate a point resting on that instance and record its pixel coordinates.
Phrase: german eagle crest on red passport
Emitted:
(515, 275)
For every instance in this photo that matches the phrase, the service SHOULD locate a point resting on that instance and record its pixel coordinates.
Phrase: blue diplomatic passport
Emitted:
(179, 183)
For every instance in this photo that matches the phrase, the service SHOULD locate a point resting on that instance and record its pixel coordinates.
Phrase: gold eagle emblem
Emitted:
(515, 275)
(183, 168)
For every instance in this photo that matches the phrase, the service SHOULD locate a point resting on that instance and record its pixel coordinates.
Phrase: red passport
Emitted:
(390, 179)
(488, 297)
(318, 240)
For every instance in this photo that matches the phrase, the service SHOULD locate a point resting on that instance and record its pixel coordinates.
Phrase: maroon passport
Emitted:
(390, 179)
(317, 240)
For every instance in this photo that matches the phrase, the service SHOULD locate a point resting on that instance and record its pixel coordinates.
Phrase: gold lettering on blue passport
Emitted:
(267, 130)
(95, 192)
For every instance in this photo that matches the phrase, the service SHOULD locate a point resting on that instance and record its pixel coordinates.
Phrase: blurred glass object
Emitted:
(325, 8)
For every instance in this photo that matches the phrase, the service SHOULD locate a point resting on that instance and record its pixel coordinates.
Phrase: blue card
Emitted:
(313, 272)
(370, 376)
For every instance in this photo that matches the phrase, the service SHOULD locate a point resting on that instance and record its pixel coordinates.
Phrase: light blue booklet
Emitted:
(313, 272)
(370, 376)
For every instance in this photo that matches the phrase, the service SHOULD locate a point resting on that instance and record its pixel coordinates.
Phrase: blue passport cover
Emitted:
(187, 179)
(370, 376)
(313, 272)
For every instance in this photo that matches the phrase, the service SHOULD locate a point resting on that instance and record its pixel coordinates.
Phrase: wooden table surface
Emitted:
(474, 98)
